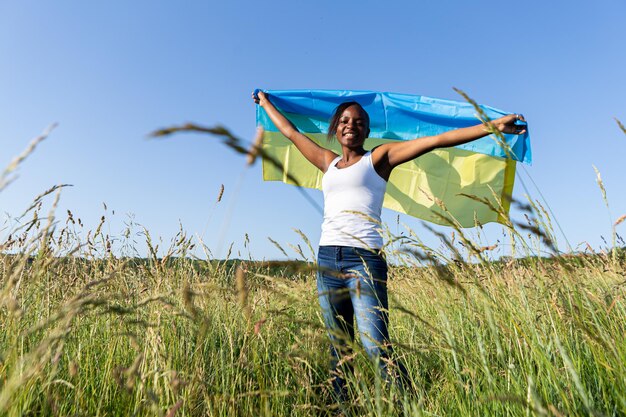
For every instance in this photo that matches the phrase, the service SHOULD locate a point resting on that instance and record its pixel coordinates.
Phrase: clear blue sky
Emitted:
(111, 72)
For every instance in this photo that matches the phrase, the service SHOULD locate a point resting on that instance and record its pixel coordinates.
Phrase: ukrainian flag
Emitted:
(434, 187)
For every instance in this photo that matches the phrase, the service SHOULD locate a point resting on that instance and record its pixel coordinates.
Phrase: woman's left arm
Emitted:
(388, 156)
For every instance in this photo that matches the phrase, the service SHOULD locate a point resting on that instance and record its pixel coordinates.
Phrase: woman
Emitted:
(352, 276)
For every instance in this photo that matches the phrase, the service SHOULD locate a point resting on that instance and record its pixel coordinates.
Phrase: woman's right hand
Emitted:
(260, 98)
(314, 153)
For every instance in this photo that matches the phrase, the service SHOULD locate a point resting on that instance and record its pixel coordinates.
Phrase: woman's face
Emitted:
(353, 127)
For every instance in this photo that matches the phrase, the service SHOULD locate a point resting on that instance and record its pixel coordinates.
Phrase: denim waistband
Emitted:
(341, 252)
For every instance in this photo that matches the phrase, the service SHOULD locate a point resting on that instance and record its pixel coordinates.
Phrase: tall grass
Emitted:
(87, 330)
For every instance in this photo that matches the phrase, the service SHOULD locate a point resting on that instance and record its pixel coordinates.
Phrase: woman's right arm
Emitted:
(315, 154)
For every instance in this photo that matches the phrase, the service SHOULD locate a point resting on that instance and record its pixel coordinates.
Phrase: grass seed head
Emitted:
(72, 369)
(600, 184)
(242, 289)
(621, 126)
(258, 324)
(487, 248)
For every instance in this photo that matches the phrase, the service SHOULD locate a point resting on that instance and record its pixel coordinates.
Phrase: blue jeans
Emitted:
(352, 283)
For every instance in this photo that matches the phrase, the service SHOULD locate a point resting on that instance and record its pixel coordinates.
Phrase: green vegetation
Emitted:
(85, 332)
(88, 330)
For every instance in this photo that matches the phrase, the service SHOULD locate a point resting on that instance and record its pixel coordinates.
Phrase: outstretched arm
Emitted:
(315, 154)
(388, 156)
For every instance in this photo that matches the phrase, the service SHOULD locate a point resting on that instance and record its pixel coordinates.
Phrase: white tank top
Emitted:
(357, 188)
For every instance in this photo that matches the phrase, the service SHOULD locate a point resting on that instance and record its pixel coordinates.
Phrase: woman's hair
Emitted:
(334, 121)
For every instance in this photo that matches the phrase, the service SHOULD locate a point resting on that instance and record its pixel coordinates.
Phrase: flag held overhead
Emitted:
(433, 187)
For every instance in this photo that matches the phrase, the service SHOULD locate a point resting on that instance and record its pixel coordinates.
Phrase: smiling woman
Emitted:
(352, 271)
(350, 121)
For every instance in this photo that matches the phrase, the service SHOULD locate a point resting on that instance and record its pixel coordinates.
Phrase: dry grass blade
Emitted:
(280, 248)
(420, 256)
(256, 146)
(418, 318)
(485, 201)
(488, 248)
(220, 194)
(42, 195)
(601, 185)
(188, 296)
(536, 230)
(191, 127)
(307, 242)
(230, 140)
(620, 220)
(448, 243)
(621, 126)
(4, 179)
(238, 146)
(242, 290)
(499, 136)
(258, 325)
(174, 409)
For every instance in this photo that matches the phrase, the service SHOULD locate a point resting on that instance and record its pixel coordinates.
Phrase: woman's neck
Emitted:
(349, 154)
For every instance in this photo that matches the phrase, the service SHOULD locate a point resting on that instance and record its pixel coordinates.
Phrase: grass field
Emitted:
(88, 329)
(86, 332)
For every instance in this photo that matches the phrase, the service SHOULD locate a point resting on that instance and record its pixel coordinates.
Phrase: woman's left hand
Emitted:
(506, 124)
